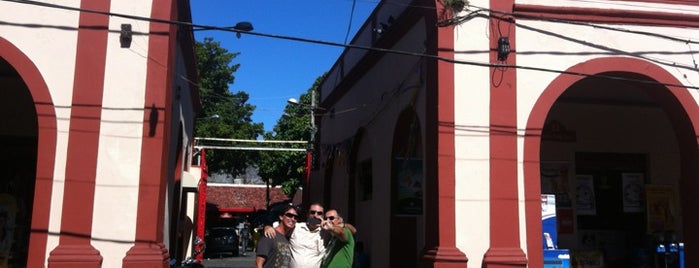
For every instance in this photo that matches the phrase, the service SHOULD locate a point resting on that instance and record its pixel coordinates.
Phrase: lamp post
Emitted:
(311, 142)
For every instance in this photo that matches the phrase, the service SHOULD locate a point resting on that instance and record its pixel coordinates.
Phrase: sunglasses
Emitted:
(291, 215)
(313, 212)
(332, 218)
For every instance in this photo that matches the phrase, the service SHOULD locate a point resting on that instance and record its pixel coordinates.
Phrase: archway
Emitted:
(28, 130)
(607, 133)
(407, 191)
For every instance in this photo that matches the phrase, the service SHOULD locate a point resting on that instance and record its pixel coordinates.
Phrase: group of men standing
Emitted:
(324, 240)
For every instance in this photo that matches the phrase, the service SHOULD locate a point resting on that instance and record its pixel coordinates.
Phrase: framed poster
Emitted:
(554, 177)
(632, 189)
(659, 208)
(409, 186)
(585, 195)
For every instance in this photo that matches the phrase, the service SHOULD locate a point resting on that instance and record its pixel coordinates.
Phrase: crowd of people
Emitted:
(323, 240)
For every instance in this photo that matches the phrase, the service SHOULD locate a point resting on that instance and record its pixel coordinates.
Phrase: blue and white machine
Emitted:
(553, 256)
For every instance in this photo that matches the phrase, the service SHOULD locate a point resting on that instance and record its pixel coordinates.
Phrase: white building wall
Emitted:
(121, 130)
(472, 152)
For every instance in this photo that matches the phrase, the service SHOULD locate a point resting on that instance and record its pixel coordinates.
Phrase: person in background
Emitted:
(245, 236)
(340, 250)
(256, 234)
(275, 252)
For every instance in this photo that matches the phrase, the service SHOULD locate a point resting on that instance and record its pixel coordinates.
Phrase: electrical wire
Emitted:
(349, 25)
(368, 48)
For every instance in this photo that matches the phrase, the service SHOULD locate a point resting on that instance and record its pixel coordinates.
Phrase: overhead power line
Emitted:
(349, 25)
(245, 148)
(248, 148)
(247, 141)
(368, 48)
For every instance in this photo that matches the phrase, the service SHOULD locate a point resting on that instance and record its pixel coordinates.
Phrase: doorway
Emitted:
(18, 161)
(611, 227)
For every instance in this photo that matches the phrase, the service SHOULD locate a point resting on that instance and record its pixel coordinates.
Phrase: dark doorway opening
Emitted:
(613, 228)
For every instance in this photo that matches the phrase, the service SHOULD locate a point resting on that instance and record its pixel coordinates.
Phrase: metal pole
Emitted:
(309, 154)
(313, 119)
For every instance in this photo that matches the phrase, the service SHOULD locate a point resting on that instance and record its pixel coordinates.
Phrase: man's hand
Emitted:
(269, 232)
(327, 225)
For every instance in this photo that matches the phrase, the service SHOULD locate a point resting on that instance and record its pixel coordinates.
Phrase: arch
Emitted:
(356, 145)
(407, 154)
(675, 100)
(46, 148)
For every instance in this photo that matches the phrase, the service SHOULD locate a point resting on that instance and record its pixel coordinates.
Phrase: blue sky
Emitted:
(274, 70)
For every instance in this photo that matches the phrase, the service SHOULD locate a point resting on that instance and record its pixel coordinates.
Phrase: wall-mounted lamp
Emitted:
(126, 35)
(503, 48)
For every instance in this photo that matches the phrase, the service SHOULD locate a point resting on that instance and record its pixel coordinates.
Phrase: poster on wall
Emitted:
(408, 188)
(659, 208)
(632, 189)
(554, 177)
(585, 195)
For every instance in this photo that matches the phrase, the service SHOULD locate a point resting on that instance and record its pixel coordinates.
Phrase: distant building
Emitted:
(451, 128)
(243, 198)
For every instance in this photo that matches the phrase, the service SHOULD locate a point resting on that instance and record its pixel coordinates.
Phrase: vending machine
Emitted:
(553, 256)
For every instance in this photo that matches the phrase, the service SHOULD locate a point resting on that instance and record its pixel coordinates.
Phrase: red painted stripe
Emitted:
(440, 163)
(149, 250)
(83, 140)
(504, 247)
(85, 122)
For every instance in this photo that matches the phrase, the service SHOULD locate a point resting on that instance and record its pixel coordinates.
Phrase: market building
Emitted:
(98, 104)
(443, 128)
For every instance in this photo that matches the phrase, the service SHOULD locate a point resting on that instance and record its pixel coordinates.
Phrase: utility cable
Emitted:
(351, 46)
(349, 25)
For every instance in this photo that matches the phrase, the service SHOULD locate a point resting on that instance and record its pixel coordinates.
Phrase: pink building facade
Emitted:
(97, 127)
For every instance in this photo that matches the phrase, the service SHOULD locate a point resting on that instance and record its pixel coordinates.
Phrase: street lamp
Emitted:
(243, 26)
(311, 142)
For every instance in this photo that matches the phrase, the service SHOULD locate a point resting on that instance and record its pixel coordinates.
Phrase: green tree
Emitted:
(288, 168)
(226, 114)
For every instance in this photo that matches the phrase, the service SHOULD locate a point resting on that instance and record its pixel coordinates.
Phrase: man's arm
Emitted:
(351, 228)
(336, 230)
(259, 261)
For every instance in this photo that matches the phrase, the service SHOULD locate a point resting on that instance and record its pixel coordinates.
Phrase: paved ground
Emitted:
(234, 262)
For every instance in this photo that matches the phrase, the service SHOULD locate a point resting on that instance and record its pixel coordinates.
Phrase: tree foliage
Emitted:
(226, 114)
(288, 168)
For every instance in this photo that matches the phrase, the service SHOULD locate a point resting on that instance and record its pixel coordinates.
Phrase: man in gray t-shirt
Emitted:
(275, 252)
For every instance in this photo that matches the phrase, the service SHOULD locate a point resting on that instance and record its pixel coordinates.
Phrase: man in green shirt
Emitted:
(340, 250)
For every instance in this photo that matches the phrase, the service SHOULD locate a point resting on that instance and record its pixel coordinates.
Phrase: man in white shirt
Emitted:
(307, 240)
